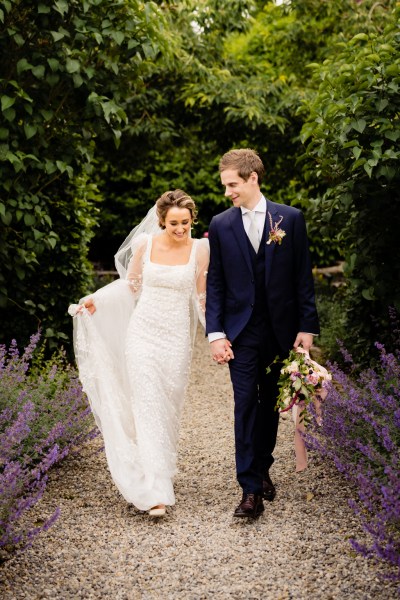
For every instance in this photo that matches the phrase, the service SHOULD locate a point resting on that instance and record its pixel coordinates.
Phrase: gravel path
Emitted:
(102, 548)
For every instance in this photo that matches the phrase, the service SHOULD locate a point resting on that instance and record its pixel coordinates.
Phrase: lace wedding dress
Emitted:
(134, 356)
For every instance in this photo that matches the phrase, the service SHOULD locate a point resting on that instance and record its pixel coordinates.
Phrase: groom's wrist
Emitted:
(216, 335)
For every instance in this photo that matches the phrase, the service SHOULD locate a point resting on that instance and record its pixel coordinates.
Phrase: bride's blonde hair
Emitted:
(177, 198)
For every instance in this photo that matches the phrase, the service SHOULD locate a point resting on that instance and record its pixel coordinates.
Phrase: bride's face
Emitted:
(177, 223)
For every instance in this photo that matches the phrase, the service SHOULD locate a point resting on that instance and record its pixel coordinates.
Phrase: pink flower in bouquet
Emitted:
(301, 381)
(313, 378)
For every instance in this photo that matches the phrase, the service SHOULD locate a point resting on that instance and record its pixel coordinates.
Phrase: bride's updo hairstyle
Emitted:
(176, 198)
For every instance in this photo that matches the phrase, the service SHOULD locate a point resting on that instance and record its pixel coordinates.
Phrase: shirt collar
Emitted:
(260, 207)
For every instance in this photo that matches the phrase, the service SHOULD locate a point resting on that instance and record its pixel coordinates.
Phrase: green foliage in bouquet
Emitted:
(301, 381)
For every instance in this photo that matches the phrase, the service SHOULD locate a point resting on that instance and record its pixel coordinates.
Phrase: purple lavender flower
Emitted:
(44, 415)
(360, 434)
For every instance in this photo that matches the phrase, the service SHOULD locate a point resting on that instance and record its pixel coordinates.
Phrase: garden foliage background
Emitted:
(105, 104)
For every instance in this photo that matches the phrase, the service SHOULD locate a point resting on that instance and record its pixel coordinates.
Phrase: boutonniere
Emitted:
(276, 234)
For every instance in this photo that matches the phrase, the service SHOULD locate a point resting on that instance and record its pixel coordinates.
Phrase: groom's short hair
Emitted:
(245, 161)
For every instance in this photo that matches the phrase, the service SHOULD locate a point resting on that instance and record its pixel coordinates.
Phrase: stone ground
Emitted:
(102, 548)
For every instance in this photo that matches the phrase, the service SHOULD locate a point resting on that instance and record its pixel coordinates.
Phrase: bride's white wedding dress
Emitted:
(134, 358)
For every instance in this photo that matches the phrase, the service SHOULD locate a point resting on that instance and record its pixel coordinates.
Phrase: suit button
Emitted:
(252, 281)
(252, 305)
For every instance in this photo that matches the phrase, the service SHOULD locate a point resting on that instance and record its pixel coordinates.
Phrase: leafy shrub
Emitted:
(352, 144)
(44, 416)
(329, 300)
(68, 68)
(360, 433)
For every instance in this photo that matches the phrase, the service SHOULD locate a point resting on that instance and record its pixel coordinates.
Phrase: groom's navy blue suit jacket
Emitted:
(289, 287)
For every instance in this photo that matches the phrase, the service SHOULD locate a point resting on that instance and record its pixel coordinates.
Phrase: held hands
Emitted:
(221, 351)
(305, 340)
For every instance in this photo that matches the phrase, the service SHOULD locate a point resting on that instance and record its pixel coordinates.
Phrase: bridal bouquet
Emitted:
(301, 381)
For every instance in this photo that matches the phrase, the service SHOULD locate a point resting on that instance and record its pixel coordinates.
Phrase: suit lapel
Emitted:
(236, 222)
(273, 210)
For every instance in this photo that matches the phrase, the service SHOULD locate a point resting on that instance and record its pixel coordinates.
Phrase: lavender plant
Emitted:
(360, 433)
(44, 416)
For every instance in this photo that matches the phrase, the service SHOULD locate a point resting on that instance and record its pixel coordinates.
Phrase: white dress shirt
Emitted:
(260, 211)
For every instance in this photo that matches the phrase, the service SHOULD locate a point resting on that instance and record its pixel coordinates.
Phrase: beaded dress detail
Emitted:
(136, 383)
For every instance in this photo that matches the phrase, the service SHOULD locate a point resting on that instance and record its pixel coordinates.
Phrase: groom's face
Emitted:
(241, 192)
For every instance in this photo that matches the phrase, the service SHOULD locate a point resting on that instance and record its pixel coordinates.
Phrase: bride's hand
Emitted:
(89, 305)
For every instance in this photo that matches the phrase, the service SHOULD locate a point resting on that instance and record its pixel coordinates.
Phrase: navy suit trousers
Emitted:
(255, 393)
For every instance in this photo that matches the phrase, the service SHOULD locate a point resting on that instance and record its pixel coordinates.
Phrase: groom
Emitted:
(260, 303)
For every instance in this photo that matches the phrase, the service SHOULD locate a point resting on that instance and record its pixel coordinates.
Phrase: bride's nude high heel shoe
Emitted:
(157, 511)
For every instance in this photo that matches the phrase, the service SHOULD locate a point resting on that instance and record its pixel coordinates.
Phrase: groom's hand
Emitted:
(305, 340)
(221, 351)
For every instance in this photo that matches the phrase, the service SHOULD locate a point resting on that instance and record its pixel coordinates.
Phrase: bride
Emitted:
(133, 343)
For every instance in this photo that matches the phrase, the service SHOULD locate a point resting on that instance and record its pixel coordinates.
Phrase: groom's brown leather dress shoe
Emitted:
(269, 491)
(251, 506)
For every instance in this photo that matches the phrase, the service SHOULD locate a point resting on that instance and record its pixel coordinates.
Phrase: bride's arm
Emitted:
(133, 278)
(134, 273)
(202, 260)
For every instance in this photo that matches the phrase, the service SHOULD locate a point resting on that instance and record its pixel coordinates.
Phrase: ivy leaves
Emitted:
(70, 67)
(352, 146)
